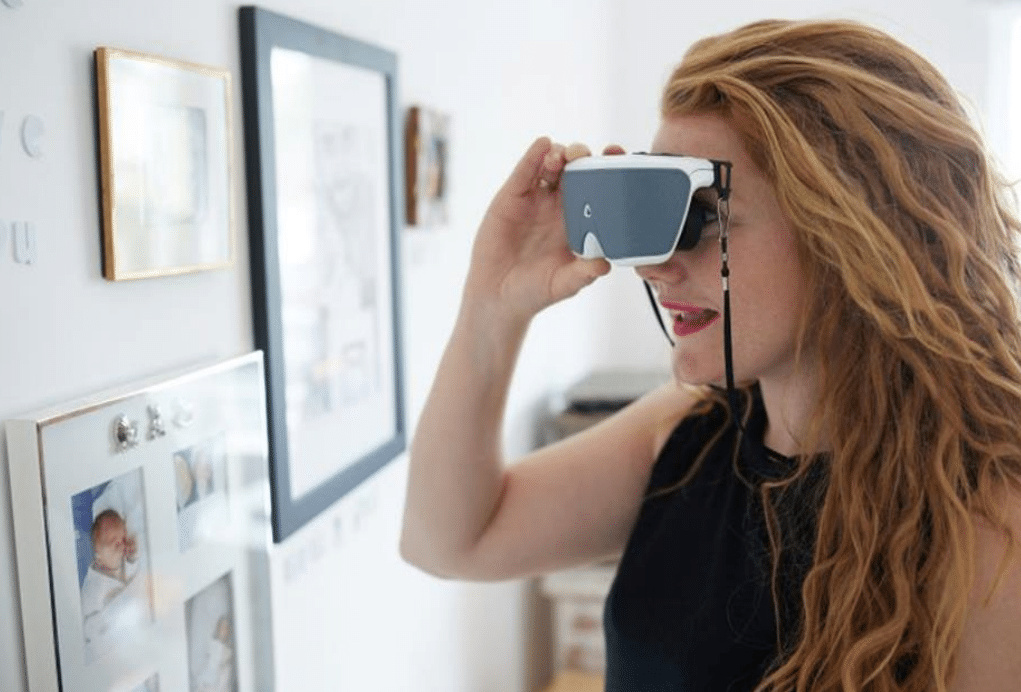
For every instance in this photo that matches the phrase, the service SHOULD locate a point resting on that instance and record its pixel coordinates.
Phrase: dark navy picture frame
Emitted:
(261, 31)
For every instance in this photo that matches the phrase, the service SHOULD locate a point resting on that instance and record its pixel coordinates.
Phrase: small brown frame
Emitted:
(426, 166)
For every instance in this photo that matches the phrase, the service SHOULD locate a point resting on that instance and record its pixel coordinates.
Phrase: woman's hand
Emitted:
(521, 262)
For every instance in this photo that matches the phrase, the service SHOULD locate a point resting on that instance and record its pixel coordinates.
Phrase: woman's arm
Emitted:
(466, 515)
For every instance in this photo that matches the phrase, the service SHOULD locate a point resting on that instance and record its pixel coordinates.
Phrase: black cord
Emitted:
(655, 311)
(722, 185)
(757, 452)
(723, 211)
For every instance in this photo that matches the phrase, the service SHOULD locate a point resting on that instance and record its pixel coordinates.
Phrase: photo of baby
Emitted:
(209, 623)
(113, 564)
(200, 475)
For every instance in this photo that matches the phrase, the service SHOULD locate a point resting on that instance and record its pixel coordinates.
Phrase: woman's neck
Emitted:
(789, 404)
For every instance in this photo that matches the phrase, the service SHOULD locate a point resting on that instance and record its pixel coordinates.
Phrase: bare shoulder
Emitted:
(990, 547)
(576, 500)
(659, 411)
(988, 653)
(635, 434)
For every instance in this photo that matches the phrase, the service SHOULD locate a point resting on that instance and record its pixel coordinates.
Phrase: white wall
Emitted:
(348, 615)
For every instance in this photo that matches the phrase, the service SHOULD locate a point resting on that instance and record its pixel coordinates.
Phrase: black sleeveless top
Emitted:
(690, 609)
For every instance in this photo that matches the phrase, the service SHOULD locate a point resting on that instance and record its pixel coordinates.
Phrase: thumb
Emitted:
(581, 273)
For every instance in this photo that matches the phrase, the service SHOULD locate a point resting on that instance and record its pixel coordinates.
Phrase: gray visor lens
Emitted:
(632, 212)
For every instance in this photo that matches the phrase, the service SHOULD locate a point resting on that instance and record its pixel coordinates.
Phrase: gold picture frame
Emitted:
(165, 143)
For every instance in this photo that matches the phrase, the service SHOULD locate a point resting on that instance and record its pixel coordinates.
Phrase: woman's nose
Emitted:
(670, 271)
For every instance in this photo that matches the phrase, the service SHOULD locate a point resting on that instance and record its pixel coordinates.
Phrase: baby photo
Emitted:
(112, 547)
(200, 480)
(209, 624)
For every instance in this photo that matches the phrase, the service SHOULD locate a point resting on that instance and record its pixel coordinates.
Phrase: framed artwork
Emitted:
(323, 154)
(141, 522)
(165, 165)
(426, 154)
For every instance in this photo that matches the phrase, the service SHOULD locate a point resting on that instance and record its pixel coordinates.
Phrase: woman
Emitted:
(866, 536)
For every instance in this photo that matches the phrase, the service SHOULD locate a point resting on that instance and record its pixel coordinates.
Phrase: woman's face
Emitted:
(766, 280)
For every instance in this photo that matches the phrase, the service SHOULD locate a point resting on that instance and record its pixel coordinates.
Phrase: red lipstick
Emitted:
(690, 319)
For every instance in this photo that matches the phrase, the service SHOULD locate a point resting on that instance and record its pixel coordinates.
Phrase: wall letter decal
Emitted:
(32, 131)
(24, 242)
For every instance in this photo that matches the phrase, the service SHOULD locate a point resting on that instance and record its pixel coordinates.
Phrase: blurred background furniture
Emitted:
(576, 681)
(596, 396)
(575, 597)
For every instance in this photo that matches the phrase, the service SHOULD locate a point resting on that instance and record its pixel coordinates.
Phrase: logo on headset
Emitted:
(587, 211)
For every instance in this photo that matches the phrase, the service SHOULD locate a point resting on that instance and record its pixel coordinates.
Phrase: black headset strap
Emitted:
(722, 185)
(721, 177)
(655, 311)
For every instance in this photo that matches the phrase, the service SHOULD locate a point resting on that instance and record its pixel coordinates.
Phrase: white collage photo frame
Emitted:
(142, 531)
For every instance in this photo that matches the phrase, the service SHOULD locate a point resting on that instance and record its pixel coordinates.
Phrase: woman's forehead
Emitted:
(711, 136)
(704, 136)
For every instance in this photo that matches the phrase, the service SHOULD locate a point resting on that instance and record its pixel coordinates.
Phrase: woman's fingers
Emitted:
(561, 156)
(576, 151)
(544, 161)
(552, 166)
(558, 157)
(528, 169)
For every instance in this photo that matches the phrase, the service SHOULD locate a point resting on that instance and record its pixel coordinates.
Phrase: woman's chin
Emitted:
(687, 372)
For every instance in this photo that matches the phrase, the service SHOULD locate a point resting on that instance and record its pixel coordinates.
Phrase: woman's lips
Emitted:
(689, 319)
